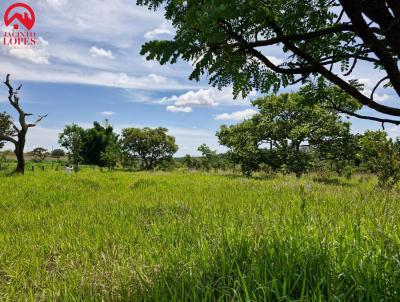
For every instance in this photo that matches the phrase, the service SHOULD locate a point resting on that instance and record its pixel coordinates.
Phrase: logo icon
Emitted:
(27, 19)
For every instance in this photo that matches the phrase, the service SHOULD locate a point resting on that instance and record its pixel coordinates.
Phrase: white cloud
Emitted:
(369, 85)
(275, 60)
(40, 137)
(211, 97)
(158, 33)
(38, 54)
(179, 109)
(202, 97)
(106, 113)
(382, 97)
(96, 78)
(394, 132)
(56, 3)
(189, 139)
(100, 52)
(236, 116)
(83, 38)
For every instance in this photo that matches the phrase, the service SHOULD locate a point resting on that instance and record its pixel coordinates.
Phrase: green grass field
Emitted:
(190, 237)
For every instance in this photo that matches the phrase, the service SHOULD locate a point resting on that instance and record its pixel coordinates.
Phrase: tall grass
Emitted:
(195, 237)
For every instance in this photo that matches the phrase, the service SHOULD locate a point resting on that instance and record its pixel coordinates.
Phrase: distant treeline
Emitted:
(291, 133)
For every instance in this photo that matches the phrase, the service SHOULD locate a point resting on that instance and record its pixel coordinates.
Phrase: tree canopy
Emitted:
(233, 42)
(72, 140)
(39, 154)
(95, 142)
(286, 130)
(6, 130)
(152, 146)
(57, 153)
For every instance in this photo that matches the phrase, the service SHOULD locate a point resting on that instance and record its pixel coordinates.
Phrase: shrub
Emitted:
(387, 164)
(348, 172)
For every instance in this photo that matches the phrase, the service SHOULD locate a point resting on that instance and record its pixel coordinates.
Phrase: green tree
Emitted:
(72, 140)
(152, 146)
(285, 133)
(95, 142)
(370, 145)
(188, 161)
(112, 154)
(387, 164)
(243, 143)
(57, 153)
(39, 154)
(231, 40)
(340, 149)
(6, 129)
(208, 157)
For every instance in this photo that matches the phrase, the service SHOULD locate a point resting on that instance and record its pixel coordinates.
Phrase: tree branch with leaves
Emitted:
(230, 41)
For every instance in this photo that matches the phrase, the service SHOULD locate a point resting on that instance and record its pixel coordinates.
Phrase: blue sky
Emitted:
(87, 67)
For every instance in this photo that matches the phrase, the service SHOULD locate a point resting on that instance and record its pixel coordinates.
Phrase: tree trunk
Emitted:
(19, 153)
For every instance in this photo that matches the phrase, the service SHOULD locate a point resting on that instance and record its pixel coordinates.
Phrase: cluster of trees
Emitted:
(150, 148)
(229, 41)
(39, 154)
(285, 133)
(324, 43)
(209, 160)
(293, 133)
(98, 145)
(87, 145)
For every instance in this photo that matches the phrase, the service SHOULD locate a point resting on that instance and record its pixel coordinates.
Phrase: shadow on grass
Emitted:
(332, 181)
(254, 177)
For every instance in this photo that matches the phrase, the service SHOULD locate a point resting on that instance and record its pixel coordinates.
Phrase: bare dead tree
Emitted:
(10, 132)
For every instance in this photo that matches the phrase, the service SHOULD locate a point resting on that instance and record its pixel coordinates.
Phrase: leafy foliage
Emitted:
(152, 146)
(6, 128)
(370, 144)
(72, 140)
(95, 142)
(57, 153)
(39, 154)
(230, 42)
(209, 158)
(388, 164)
(285, 133)
(112, 154)
(380, 154)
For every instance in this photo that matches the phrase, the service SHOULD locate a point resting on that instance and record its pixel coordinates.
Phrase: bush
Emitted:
(266, 170)
(348, 172)
(387, 164)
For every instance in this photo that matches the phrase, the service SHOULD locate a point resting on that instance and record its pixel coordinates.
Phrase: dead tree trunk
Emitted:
(15, 134)
(19, 153)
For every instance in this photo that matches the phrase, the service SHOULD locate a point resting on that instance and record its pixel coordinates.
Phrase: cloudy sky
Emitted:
(87, 67)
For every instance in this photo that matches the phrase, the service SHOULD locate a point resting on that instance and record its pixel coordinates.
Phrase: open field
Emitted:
(181, 236)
